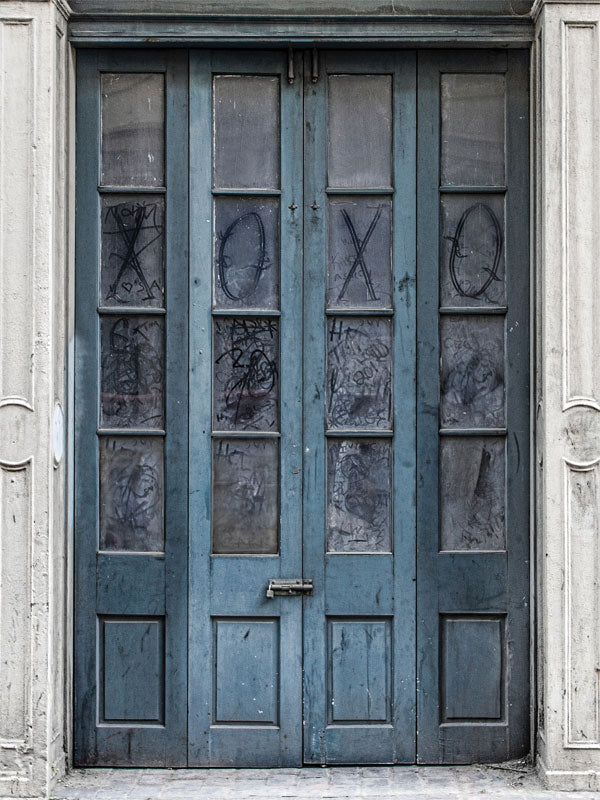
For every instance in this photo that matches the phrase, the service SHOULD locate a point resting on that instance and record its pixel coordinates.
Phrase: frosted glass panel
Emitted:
(246, 256)
(359, 131)
(245, 496)
(472, 129)
(246, 129)
(132, 256)
(472, 372)
(359, 258)
(472, 493)
(133, 122)
(131, 493)
(359, 496)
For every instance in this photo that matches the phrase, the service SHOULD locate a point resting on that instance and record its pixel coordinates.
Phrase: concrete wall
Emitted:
(567, 57)
(36, 212)
(33, 256)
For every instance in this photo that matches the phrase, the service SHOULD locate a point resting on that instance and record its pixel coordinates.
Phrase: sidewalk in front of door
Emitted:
(505, 782)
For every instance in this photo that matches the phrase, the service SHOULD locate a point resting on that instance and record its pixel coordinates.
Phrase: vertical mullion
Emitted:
(404, 321)
(517, 394)
(314, 398)
(200, 381)
(290, 333)
(427, 413)
(176, 411)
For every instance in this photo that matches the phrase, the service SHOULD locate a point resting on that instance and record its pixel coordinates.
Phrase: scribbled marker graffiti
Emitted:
(359, 373)
(475, 252)
(246, 374)
(132, 253)
(132, 372)
(131, 495)
(358, 496)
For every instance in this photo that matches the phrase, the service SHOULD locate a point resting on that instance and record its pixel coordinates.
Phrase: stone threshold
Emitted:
(505, 782)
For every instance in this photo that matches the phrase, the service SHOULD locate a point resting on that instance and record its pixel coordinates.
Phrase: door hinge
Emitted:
(291, 74)
(315, 65)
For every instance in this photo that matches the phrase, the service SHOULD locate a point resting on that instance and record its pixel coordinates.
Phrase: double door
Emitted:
(301, 392)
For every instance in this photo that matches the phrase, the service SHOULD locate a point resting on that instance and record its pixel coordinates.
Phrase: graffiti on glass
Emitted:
(246, 374)
(358, 496)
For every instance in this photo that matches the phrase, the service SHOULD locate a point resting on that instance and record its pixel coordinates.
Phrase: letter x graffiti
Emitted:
(144, 218)
(359, 248)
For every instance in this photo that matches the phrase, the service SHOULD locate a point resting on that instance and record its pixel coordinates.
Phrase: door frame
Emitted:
(532, 538)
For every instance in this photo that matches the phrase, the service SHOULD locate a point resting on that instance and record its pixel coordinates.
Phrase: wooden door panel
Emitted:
(245, 687)
(359, 409)
(131, 400)
(473, 506)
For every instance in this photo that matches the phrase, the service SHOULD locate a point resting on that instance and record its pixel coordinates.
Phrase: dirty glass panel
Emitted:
(359, 496)
(246, 254)
(132, 257)
(472, 493)
(246, 131)
(133, 123)
(245, 504)
(132, 372)
(359, 258)
(131, 493)
(359, 131)
(246, 374)
(472, 372)
(472, 250)
(359, 373)
(472, 108)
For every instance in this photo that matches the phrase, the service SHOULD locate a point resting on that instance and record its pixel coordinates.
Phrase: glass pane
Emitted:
(472, 372)
(472, 130)
(359, 496)
(132, 372)
(131, 493)
(132, 261)
(246, 258)
(359, 373)
(472, 491)
(245, 509)
(359, 131)
(359, 261)
(133, 122)
(472, 251)
(246, 374)
(246, 130)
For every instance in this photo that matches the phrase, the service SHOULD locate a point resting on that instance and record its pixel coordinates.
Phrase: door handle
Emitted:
(283, 587)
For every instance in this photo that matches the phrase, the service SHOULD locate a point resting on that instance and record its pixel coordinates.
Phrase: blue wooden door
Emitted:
(301, 354)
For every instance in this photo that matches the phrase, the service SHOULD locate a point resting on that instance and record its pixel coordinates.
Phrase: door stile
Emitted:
(233, 587)
(376, 589)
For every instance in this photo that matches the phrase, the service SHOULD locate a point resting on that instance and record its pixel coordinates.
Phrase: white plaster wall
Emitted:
(568, 412)
(33, 256)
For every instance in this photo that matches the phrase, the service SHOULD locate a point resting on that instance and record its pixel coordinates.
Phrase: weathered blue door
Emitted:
(302, 393)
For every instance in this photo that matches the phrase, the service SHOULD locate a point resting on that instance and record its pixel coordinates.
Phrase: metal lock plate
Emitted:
(283, 587)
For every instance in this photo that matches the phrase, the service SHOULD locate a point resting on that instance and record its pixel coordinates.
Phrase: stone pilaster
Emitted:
(567, 139)
(34, 64)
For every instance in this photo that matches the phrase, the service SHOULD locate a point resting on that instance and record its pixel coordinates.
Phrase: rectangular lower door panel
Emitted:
(247, 671)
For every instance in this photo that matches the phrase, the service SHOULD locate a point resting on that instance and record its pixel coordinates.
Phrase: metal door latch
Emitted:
(289, 586)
